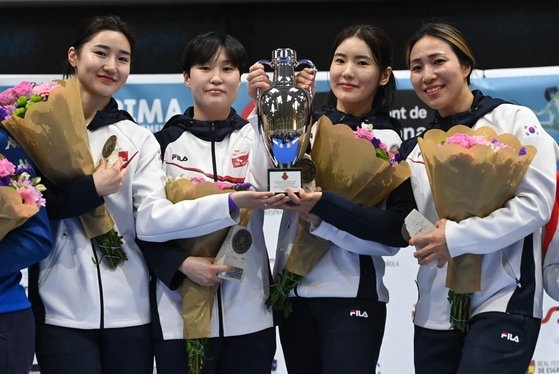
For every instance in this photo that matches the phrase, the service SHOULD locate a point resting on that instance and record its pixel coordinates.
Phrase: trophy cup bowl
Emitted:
(284, 116)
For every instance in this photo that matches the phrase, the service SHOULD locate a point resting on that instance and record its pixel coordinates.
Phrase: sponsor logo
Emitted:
(177, 157)
(239, 159)
(358, 313)
(509, 336)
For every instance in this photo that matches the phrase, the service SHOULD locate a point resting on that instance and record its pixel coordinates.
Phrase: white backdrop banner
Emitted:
(153, 99)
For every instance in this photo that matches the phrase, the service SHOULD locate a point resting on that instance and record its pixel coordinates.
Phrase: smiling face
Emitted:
(355, 76)
(214, 86)
(102, 66)
(438, 77)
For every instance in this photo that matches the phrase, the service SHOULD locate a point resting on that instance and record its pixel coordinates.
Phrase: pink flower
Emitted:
(362, 133)
(30, 195)
(223, 185)
(29, 189)
(24, 88)
(467, 141)
(44, 89)
(382, 151)
(15, 100)
(6, 168)
(8, 96)
(197, 180)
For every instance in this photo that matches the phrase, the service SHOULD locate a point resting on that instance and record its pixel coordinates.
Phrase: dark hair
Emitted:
(91, 27)
(381, 47)
(202, 48)
(448, 34)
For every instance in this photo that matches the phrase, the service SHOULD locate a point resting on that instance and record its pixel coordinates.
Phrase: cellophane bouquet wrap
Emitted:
(54, 135)
(350, 166)
(197, 300)
(471, 174)
(20, 196)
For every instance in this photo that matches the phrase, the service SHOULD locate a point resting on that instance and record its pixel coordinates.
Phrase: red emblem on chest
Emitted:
(239, 159)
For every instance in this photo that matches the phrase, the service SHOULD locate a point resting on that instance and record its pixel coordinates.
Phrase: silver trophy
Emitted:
(284, 119)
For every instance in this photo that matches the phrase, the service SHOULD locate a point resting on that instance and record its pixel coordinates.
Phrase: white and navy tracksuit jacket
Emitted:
(353, 265)
(509, 239)
(227, 151)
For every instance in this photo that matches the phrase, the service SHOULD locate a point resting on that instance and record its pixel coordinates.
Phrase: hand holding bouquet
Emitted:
(471, 173)
(197, 300)
(352, 164)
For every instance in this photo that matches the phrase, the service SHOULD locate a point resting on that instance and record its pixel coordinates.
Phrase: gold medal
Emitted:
(109, 146)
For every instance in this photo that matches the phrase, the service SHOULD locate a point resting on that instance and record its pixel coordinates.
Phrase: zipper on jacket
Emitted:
(220, 312)
(99, 281)
(511, 269)
(219, 297)
(214, 162)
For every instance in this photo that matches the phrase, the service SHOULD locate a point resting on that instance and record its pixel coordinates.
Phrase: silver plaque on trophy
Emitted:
(284, 119)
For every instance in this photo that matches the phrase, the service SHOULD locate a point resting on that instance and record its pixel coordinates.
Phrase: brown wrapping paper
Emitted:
(349, 167)
(471, 182)
(13, 212)
(197, 300)
(54, 135)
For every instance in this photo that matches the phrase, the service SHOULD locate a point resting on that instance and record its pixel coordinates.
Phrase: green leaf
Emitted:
(279, 292)
(110, 245)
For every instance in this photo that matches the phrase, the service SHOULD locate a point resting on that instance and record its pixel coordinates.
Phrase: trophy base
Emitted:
(280, 179)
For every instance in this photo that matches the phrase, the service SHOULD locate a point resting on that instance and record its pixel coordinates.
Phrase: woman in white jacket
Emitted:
(506, 313)
(339, 308)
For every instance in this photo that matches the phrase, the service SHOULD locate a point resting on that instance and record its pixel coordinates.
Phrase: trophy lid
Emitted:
(284, 55)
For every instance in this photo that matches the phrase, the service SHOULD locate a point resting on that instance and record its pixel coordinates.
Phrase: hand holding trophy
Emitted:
(284, 122)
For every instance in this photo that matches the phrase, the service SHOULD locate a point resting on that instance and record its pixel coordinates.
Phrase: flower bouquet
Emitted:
(197, 300)
(471, 173)
(20, 196)
(48, 119)
(376, 173)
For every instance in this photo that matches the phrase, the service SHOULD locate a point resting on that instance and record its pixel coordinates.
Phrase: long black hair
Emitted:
(381, 47)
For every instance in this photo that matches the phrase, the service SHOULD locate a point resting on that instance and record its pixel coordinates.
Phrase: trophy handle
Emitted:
(307, 134)
(258, 90)
(310, 64)
(263, 136)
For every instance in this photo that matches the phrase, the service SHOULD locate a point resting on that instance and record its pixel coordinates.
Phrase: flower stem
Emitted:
(110, 244)
(279, 292)
(196, 349)
(460, 310)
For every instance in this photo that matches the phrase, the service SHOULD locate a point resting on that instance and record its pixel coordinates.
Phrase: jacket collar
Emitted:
(109, 115)
(207, 130)
(481, 105)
